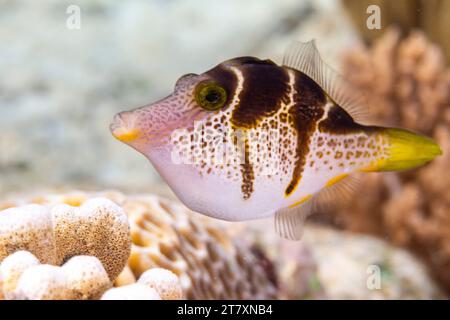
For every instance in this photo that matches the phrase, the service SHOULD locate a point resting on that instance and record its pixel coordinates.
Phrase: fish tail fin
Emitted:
(404, 150)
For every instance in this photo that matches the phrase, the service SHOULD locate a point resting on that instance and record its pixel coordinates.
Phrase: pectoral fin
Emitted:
(289, 222)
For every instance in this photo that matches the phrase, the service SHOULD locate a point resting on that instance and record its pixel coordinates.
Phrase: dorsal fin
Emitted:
(304, 57)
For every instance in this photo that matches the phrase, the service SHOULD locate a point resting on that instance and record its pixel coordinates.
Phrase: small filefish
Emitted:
(250, 139)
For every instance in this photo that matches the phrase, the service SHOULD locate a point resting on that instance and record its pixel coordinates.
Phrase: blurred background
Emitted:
(61, 83)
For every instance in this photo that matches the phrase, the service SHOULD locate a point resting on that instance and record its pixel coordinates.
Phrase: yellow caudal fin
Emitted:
(405, 150)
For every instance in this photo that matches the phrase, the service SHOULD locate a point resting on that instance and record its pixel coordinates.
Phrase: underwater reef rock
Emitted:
(407, 84)
(164, 234)
(355, 266)
(209, 263)
(336, 264)
(178, 254)
(55, 233)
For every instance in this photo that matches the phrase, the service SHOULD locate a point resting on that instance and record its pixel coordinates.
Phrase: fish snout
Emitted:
(124, 127)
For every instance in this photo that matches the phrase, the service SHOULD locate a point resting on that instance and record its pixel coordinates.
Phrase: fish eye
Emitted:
(210, 96)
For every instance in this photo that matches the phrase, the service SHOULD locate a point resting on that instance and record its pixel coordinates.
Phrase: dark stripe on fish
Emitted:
(338, 121)
(308, 108)
(225, 78)
(248, 176)
(265, 87)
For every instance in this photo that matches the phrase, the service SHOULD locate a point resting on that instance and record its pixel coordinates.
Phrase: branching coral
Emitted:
(55, 233)
(431, 16)
(408, 85)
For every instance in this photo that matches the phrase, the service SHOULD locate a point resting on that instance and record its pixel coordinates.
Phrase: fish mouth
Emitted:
(124, 128)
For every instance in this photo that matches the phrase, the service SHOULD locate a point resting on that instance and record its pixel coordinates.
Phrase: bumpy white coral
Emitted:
(164, 281)
(164, 234)
(27, 228)
(98, 228)
(23, 277)
(86, 277)
(12, 268)
(43, 282)
(136, 291)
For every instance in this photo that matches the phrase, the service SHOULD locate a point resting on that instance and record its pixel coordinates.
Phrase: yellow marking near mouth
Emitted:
(126, 135)
(336, 179)
(302, 200)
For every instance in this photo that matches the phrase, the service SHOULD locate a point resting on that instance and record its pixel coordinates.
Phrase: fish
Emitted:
(250, 139)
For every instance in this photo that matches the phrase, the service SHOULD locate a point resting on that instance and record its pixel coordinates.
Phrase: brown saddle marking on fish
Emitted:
(226, 78)
(338, 121)
(265, 90)
(248, 175)
(308, 109)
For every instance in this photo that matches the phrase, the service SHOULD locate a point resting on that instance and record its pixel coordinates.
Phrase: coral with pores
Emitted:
(99, 228)
(28, 228)
(24, 278)
(55, 233)
(164, 234)
(165, 282)
(43, 282)
(12, 268)
(86, 277)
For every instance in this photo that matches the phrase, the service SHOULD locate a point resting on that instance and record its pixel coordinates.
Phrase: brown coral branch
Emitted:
(407, 84)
